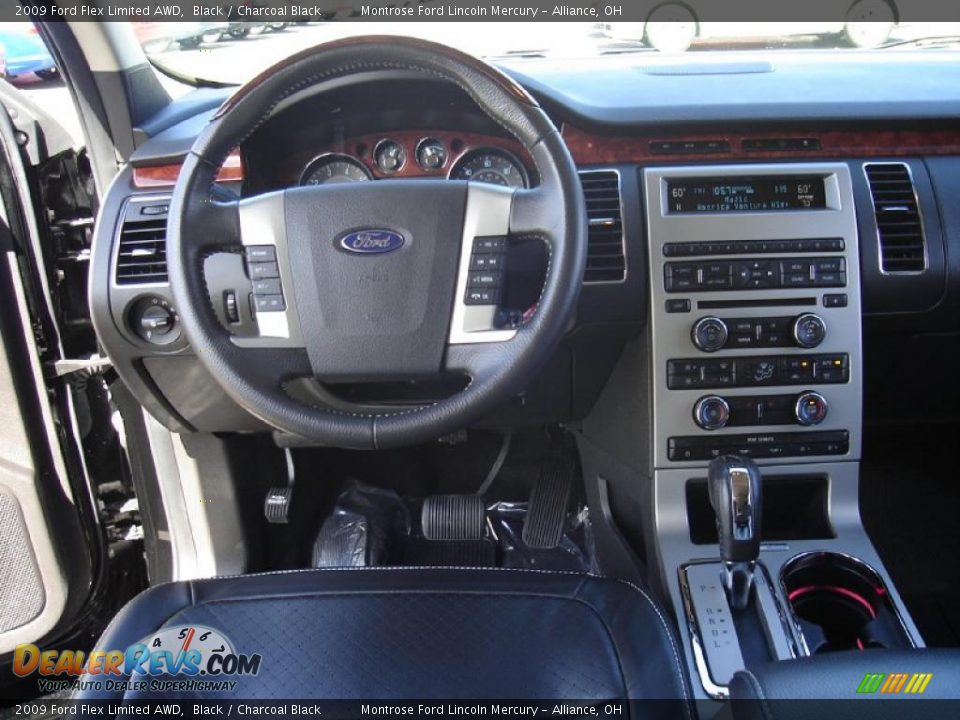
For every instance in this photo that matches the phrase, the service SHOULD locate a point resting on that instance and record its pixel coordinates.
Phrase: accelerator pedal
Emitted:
(543, 526)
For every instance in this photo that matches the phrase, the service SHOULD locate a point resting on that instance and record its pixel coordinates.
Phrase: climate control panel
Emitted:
(756, 327)
(711, 334)
(712, 412)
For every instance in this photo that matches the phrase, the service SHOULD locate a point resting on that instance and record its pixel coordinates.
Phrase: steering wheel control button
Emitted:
(486, 261)
(482, 296)
(709, 334)
(484, 279)
(230, 308)
(269, 303)
(261, 253)
(263, 270)
(811, 408)
(489, 244)
(711, 412)
(269, 286)
(485, 276)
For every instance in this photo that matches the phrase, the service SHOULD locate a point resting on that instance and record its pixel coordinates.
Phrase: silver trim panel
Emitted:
(487, 215)
(671, 337)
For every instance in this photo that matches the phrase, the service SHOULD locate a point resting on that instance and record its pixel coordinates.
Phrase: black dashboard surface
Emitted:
(624, 96)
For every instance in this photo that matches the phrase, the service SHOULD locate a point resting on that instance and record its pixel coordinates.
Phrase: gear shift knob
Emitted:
(736, 497)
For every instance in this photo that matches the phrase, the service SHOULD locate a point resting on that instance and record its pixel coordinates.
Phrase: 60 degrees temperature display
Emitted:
(746, 194)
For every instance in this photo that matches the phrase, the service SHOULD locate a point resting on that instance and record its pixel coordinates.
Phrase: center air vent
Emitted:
(899, 225)
(142, 251)
(605, 248)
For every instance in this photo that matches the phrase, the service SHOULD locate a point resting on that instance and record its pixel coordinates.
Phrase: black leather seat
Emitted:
(422, 633)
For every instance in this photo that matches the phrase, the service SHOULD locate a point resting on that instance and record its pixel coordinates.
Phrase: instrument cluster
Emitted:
(420, 155)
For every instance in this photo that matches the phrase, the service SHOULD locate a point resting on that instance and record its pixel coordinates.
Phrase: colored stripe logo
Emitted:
(894, 683)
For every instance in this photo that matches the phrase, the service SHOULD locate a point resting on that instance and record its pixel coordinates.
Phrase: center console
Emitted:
(757, 359)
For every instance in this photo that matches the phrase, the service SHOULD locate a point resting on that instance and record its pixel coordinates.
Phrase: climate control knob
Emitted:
(711, 412)
(809, 330)
(811, 408)
(710, 334)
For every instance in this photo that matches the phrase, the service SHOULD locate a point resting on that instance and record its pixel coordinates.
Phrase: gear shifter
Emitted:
(736, 497)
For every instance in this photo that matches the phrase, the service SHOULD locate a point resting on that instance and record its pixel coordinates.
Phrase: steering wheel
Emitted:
(371, 282)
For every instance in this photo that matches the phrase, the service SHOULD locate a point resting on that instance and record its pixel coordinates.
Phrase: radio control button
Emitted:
(809, 330)
(710, 334)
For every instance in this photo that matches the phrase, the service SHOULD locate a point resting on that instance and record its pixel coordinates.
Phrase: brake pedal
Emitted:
(453, 517)
(276, 505)
(543, 526)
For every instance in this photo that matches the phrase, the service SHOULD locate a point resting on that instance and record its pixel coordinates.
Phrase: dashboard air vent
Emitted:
(605, 247)
(899, 225)
(142, 254)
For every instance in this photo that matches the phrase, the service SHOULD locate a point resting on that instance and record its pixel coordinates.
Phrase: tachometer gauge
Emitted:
(334, 168)
(490, 165)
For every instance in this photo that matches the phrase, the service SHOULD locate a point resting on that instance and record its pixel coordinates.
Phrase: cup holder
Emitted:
(840, 603)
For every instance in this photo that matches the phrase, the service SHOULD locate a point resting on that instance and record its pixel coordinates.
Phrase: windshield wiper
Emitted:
(514, 54)
(624, 49)
(934, 41)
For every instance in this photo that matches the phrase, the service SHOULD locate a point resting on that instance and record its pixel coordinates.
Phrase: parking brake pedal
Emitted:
(543, 526)
(276, 505)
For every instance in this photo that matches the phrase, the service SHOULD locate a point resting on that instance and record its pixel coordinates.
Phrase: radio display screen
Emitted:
(746, 194)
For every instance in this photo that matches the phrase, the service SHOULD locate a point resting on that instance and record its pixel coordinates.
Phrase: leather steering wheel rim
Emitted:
(201, 222)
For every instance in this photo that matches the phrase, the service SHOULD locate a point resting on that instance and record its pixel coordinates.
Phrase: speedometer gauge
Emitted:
(490, 165)
(334, 168)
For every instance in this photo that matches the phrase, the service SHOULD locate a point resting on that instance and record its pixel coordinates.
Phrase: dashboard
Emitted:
(746, 214)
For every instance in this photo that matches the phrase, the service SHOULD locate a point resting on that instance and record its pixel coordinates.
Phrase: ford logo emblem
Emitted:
(370, 242)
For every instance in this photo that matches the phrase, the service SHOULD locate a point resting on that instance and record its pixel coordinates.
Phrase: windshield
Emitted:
(233, 52)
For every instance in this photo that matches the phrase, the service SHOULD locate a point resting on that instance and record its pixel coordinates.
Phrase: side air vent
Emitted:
(899, 225)
(605, 247)
(142, 251)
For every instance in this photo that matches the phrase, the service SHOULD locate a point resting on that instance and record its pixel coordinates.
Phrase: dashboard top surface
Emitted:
(639, 91)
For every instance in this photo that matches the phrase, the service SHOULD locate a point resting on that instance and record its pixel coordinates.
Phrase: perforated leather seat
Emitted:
(421, 633)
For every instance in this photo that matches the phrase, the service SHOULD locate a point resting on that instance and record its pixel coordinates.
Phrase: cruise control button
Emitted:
(269, 286)
(261, 253)
(269, 303)
(263, 270)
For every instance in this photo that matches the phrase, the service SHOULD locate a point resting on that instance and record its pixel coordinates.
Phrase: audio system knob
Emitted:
(811, 408)
(711, 412)
(809, 330)
(710, 334)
